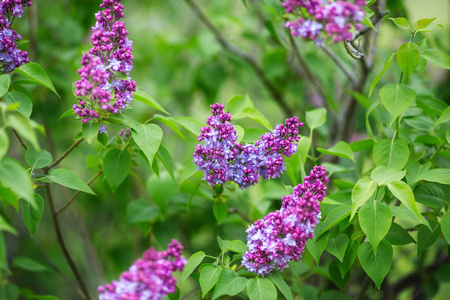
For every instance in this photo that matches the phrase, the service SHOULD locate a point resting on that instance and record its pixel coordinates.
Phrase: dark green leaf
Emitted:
(335, 275)
(69, 179)
(375, 220)
(148, 100)
(208, 278)
(37, 159)
(282, 286)
(362, 145)
(349, 257)
(376, 265)
(335, 216)
(162, 190)
(398, 236)
(192, 263)
(32, 216)
(429, 194)
(386, 65)
(317, 245)
(5, 226)
(141, 211)
(35, 72)
(445, 226)
(337, 246)
(229, 283)
(29, 264)
(408, 57)
(24, 127)
(116, 166)
(427, 237)
(148, 137)
(220, 210)
(164, 156)
(5, 80)
(237, 246)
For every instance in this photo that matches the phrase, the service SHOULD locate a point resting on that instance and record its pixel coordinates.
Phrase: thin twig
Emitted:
(239, 212)
(340, 64)
(61, 240)
(379, 15)
(62, 208)
(75, 144)
(364, 288)
(22, 142)
(249, 59)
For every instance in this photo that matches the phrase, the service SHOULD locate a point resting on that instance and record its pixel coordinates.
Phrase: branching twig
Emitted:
(75, 144)
(239, 212)
(379, 15)
(62, 208)
(340, 64)
(22, 142)
(249, 59)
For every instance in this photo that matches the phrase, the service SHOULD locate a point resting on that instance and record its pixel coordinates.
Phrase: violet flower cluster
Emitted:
(105, 86)
(222, 159)
(281, 236)
(149, 278)
(10, 56)
(336, 19)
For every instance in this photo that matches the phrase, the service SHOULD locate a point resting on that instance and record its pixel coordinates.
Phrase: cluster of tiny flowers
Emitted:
(149, 278)
(221, 159)
(309, 18)
(105, 86)
(281, 236)
(11, 57)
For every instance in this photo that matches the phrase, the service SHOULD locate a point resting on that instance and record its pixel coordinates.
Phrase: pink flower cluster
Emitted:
(282, 235)
(149, 278)
(221, 159)
(309, 18)
(105, 86)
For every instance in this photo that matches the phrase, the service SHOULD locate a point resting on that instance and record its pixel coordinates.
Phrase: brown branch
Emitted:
(61, 242)
(62, 208)
(22, 142)
(249, 59)
(75, 144)
(235, 210)
(340, 64)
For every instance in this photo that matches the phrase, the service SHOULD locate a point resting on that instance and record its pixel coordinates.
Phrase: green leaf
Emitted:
(189, 170)
(396, 98)
(317, 245)
(148, 137)
(337, 246)
(261, 289)
(376, 265)
(32, 216)
(383, 175)
(341, 149)
(257, 116)
(408, 57)
(116, 166)
(229, 283)
(363, 190)
(162, 190)
(445, 226)
(403, 192)
(3, 255)
(69, 179)
(335, 216)
(430, 195)
(405, 213)
(67, 113)
(220, 210)
(189, 123)
(349, 257)
(23, 126)
(90, 131)
(141, 211)
(29, 264)
(282, 286)
(4, 143)
(334, 295)
(25, 104)
(208, 278)
(439, 175)
(437, 58)
(401, 23)
(444, 118)
(424, 24)
(376, 79)
(316, 117)
(398, 236)
(414, 171)
(13, 176)
(169, 123)
(393, 154)
(37, 159)
(237, 104)
(303, 148)
(192, 263)
(9, 198)
(237, 246)
(335, 275)
(35, 72)
(5, 81)
(148, 100)
(5, 226)
(427, 237)
(362, 145)
(375, 219)
(164, 156)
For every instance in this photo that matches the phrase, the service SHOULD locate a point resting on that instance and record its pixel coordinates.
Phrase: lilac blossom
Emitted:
(149, 278)
(282, 235)
(105, 86)
(336, 19)
(222, 159)
(10, 56)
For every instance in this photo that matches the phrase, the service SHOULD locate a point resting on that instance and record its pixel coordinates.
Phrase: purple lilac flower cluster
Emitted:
(309, 18)
(281, 236)
(150, 277)
(105, 86)
(11, 57)
(221, 159)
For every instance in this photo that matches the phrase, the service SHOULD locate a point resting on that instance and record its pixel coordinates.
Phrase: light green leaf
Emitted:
(116, 166)
(25, 104)
(445, 226)
(237, 246)
(335, 216)
(427, 237)
(237, 104)
(375, 219)
(303, 148)
(363, 190)
(189, 170)
(141, 211)
(408, 57)
(414, 171)
(396, 98)
(220, 210)
(282, 286)
(393, 154)
(229, 283)
(189, 123)
(341, 149)
(424, 25)
(437, 58)
(261, 289)
(208, 278)
(257, 116)
(439, 175)
(69, 179)
(444, 118)
(316, 117)
(35, 72)
(148, 137)
(5, 226)
(164, 156)
(240, 132)
(90, 131)
(405, 213)
(4, 143)
(377, 266)
(37, 159)
(23, 126)
(383, 175)
(32, 216)
(29, 264)
(3, 255)
(192, 263)
(317, 245)
(148, 100)
(403, 192)
(337, 246)
(376, 79)
(13, 176)
(5, 81)
(169, 123)
(401, 23)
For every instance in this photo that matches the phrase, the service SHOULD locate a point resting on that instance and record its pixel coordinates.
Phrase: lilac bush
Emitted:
(282, 235)
(105, 86)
